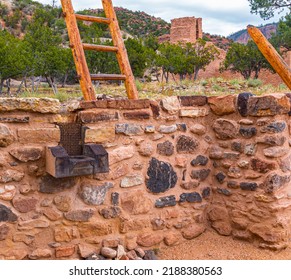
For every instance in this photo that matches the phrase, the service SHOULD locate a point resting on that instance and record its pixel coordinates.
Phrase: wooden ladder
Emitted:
(79, 55)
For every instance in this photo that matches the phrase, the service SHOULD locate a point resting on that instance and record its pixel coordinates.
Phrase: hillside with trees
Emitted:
(34, 48)
(16, 14)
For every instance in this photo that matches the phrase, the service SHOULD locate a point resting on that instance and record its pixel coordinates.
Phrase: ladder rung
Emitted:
(93, 19)
(100, 48)
(108, 77)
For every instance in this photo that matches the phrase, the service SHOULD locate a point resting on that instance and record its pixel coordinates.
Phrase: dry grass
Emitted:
(155, 90)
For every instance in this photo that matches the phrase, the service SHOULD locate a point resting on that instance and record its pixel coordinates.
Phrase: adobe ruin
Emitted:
(186, 30)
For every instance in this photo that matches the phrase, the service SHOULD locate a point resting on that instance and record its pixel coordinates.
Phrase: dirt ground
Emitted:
(211, 246)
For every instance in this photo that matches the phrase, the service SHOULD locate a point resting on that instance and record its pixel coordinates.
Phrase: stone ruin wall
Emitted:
(178, 167)
(186, 30)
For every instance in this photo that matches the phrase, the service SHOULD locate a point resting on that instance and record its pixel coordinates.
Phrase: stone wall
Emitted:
(186, 30)
(177, 167)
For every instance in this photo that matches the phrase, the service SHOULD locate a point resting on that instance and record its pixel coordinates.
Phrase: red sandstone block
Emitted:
(93, 104)
(94, 117)
(39, 135)
(128, 104)
(65, 251)
(125, 104)
(189, 101)
(140, 115)
(155, 109)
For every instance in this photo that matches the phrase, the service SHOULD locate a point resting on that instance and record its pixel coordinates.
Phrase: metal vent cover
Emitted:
(71, 138)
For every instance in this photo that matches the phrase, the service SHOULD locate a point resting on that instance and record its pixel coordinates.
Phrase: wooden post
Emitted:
(271, 55)
(121, 53)
(78, 51)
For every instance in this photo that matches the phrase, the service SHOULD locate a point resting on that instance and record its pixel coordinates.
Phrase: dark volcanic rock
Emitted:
(182, 127)
(161, 175)
(166, 148)
(246, 186)
(199, 160)
(220, 177)
(166, 201)
(115, 199)
(150, 255)
(274, 127)
(6, 215)
(186, 144)
(190, 197)
(248, 132)
(242, 103)
(206, 192)
(237, 147)
(200, 175)
(224, 191)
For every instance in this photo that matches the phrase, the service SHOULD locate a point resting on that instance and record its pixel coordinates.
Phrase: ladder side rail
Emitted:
(78, 51)
(122, 56)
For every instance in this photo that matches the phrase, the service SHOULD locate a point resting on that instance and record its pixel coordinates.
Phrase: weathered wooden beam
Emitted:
(122, 57)
(100, 48)
(92, 19)
(78, 51)
(271, 55)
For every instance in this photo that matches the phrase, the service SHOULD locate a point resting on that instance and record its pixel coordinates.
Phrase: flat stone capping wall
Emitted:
(178, 166)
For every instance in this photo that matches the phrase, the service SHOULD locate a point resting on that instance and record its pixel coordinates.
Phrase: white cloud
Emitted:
(221, 17)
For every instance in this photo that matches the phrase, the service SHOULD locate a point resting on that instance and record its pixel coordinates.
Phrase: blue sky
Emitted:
(221, 17)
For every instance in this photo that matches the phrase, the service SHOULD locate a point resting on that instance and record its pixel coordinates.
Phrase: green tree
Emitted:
(168, 56)
(50, 59)
(245, 59)
(201, 55)
(151, 42)
(283, 36)
(186, 59)
(14, 57)
(102, 62)
(137, 56)
(267, 8)
(237, 60)
(151, 45)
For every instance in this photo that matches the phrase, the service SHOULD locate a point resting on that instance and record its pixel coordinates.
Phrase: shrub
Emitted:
(254, 83)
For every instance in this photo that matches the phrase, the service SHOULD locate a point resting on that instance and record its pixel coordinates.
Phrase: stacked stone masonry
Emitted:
(178, 167)
(185, 30)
